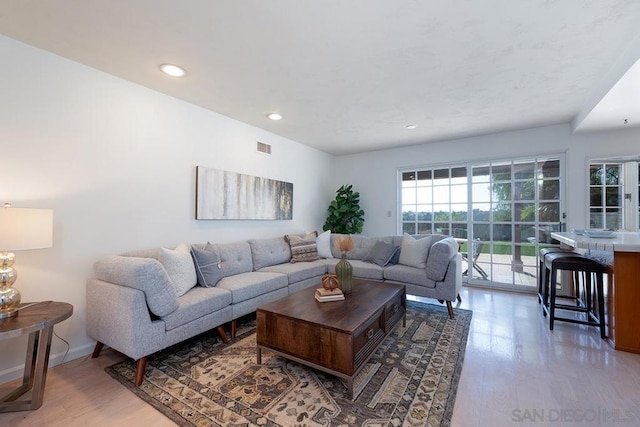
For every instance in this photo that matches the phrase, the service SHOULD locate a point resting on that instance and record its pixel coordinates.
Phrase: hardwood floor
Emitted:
(515, 372)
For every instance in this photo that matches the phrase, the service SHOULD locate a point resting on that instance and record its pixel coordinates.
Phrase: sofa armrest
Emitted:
(450, 287)
(118, 316)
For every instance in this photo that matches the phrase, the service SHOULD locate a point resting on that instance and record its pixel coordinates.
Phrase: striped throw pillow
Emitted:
(303, 249)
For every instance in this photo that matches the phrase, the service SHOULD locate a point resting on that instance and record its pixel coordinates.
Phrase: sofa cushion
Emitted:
(323, 241)
(266, 252)
(303, 249)
(299, 271)
(146, 275)
(405, 274)
(381, 253)
(413, 252)
(440, 254)
(235, 258)
(179, 266)
(361, 269)
(196, 303)
(249, 285)
(208, 265)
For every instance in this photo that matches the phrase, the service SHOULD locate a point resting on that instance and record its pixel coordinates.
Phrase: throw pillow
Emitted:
(323, 241)
(413, 252)
(395, 259)
(208, 265)
(179, 266)
(303, 249)
(381, 253)
(439, 256)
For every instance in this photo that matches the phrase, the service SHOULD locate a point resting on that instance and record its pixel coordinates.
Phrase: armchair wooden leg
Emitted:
(450, 309)
(223, 335)
(234, 328)
(97, 349)
(141, 365)
(458, 298)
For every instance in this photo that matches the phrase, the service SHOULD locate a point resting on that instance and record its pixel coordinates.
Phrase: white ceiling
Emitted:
(350, 75)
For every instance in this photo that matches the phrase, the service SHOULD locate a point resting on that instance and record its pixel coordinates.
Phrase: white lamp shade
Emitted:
(22, 229)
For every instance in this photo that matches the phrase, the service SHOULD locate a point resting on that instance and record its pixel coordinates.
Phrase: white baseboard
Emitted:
(54, 359)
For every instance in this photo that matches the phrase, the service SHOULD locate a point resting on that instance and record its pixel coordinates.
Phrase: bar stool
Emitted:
(542, 271)
(579, 265)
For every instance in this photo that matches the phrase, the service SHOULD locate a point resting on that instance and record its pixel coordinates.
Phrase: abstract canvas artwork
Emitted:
(230, 195)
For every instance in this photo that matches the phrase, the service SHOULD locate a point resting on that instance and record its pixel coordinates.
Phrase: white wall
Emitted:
(374, 174)
(116, 162)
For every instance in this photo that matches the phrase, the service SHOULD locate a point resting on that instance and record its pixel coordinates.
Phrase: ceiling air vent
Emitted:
(264, 148)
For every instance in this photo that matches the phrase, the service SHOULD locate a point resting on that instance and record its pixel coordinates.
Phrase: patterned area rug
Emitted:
(410, 380)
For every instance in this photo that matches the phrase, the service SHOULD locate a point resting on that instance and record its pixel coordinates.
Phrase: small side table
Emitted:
(37, 320)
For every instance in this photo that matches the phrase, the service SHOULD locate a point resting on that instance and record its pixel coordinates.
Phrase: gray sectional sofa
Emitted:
(135, 306)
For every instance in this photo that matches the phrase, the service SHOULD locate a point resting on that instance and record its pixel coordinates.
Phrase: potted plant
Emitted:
(345, 215)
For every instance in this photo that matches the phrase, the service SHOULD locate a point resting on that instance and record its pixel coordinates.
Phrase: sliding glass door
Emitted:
(501, 212)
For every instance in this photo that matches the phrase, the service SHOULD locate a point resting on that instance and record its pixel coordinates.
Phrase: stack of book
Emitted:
(323, 295)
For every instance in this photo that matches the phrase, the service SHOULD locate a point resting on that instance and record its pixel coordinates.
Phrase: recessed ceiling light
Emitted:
(173, 70)
(411, 126)
(275, 116)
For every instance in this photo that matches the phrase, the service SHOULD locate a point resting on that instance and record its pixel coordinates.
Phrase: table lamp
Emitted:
(20, 229)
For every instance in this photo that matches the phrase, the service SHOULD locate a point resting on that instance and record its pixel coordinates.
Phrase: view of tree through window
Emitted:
(605, 195)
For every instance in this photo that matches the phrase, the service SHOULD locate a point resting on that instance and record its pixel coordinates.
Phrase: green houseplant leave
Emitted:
(345, 215)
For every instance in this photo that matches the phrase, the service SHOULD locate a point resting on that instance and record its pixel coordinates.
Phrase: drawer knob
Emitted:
(370, 334)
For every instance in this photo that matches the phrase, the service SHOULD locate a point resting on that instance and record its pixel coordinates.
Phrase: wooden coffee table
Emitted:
(336, 337)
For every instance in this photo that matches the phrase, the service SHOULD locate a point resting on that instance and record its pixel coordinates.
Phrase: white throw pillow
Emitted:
(323, 241)
(179, 266)
(413, 252)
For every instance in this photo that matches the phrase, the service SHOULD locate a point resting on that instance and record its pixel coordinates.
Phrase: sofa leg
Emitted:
(450, 309)
(97, 349)
(223, 335)
(234, 328)
(458, 298)
(141, 366)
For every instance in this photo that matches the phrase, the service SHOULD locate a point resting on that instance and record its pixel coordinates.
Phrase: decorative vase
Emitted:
(344, 271)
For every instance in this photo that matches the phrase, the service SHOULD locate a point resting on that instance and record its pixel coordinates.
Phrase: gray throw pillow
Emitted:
(381, 253)
(413, 252)
(439, 256)
(208, 265)
(179, 267)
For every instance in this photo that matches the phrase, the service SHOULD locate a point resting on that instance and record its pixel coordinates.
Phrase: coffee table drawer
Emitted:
(393, 312)
(367, 339)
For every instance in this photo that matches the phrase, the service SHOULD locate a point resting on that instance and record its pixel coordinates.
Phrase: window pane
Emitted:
(524, 190)
(550, 168)
(481, 211)
(424, 228)
(524, 212)
(441, 176)
(523, 170)
(524, 233)
(459, 212)
(481, 174)
(424, 213)
(549, 212)
(441, 228)
(612, 175)
(441, 194)
(501, 191)
(501, 172)
(424, 177)
(481, 193)
(481, 231)
(408, 196)
(613, 218)
(423, 195)
(459, 175)
(595, 218)
(441, 213)
(408, 214)
(614, 196)
(502, 233)
(595, 175)
(550, 190)
(409, 228)
(595, 196)
(502, 212)
(459, 230)
(408, 176)
(458, 194)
